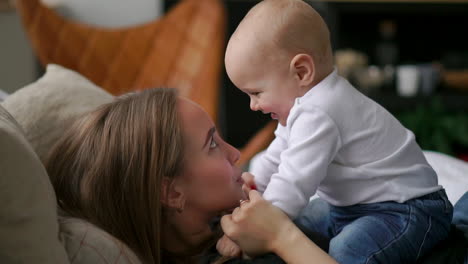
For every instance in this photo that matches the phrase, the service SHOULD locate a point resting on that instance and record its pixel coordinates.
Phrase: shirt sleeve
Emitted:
(313, 142)
(269, 161)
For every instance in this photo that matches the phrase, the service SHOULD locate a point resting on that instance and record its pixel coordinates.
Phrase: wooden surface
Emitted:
(182, 50)
(258, 142)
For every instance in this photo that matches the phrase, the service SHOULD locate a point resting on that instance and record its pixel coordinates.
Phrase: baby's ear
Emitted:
(303, 68)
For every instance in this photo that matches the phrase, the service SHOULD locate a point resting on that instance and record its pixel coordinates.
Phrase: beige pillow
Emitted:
(85, 243)
(28, 217)
(49, 105)
(44, 109)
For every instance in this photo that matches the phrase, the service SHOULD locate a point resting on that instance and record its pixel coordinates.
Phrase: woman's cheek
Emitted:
(220, 180)
(209, 178)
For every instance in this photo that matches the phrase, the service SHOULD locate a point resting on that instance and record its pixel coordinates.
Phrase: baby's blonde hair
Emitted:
(293, 26)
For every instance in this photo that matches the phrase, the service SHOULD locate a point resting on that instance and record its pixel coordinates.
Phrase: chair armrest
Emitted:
(257, 143)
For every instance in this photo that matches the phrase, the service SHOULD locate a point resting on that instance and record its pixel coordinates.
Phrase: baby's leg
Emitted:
(460, 214)
(314, 222)
(390, 232)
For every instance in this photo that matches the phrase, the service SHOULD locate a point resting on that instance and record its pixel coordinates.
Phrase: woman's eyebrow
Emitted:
(209, 135)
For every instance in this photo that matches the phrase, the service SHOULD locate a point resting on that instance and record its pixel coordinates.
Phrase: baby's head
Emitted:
(278, 52)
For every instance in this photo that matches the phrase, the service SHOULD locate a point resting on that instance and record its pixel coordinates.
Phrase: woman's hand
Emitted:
(259, 227)
(256, 225)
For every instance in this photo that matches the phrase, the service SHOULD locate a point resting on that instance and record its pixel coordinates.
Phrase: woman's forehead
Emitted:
(188, 109)
(195, 121)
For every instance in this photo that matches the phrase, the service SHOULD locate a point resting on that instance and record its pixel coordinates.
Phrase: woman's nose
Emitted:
(234, 154)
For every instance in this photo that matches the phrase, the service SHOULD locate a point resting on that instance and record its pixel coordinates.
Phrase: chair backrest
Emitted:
(108, 13)
(183, 49)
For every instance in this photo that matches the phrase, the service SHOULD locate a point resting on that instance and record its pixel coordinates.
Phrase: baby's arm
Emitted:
(313, 143)
(265, 164)
(227, 247)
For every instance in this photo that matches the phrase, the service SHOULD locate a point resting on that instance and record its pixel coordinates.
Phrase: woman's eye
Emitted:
(213, 143)
(255, 93)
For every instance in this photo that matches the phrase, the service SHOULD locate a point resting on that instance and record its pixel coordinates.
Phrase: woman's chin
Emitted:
(239, 193)
(236, 202)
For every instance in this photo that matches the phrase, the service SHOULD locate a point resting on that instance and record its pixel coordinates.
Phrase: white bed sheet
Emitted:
(452, 173)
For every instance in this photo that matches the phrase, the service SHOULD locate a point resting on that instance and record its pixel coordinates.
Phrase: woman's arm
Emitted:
(258, 227)
(294, 247)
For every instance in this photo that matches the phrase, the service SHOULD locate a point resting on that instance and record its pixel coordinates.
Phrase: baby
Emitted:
(380, 200)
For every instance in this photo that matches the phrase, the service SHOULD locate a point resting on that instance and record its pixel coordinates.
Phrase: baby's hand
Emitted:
(227, 247)
(249, 182)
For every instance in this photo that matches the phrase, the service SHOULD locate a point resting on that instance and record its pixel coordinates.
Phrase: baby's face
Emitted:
(271, 86)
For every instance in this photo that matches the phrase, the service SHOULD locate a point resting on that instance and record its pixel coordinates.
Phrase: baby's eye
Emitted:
(255, 93)
(213, 143)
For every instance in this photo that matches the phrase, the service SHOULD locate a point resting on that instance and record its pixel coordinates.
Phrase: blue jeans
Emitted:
(460, 214)
(460, 217)
(386, 232)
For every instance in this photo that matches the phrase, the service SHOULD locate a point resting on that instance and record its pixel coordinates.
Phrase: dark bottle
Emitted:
(387, 52)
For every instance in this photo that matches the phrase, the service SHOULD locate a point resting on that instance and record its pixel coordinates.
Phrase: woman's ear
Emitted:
(172, 194)
(303, 68)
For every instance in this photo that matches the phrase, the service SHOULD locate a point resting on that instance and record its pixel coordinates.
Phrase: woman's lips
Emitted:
(238, 176)
(274, 116)
(239, 179)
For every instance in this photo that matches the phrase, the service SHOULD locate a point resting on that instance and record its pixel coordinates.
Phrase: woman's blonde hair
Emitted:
(108, 168)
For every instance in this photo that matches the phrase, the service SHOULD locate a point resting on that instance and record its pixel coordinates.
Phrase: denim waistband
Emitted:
(438, 195)
(434, 195)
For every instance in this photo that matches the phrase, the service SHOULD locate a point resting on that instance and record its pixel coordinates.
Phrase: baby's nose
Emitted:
(254, 105)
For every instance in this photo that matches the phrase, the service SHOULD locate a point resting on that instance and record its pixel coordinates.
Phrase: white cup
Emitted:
(407, 80)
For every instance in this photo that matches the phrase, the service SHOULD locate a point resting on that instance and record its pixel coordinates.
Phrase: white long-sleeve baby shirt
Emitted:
(345, 147)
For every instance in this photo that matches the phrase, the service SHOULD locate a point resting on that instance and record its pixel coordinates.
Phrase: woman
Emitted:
(150, 169)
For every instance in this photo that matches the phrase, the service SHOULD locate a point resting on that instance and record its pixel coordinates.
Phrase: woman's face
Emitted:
(211, 181)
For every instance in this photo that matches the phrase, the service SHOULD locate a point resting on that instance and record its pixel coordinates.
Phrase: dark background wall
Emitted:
(425, 32)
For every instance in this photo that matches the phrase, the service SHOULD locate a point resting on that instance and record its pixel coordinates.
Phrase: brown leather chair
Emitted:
(183, 49)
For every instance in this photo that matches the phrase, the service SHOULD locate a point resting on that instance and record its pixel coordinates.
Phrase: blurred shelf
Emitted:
(427, 30)
(374, 1)
(397, 1)
(394, 103)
